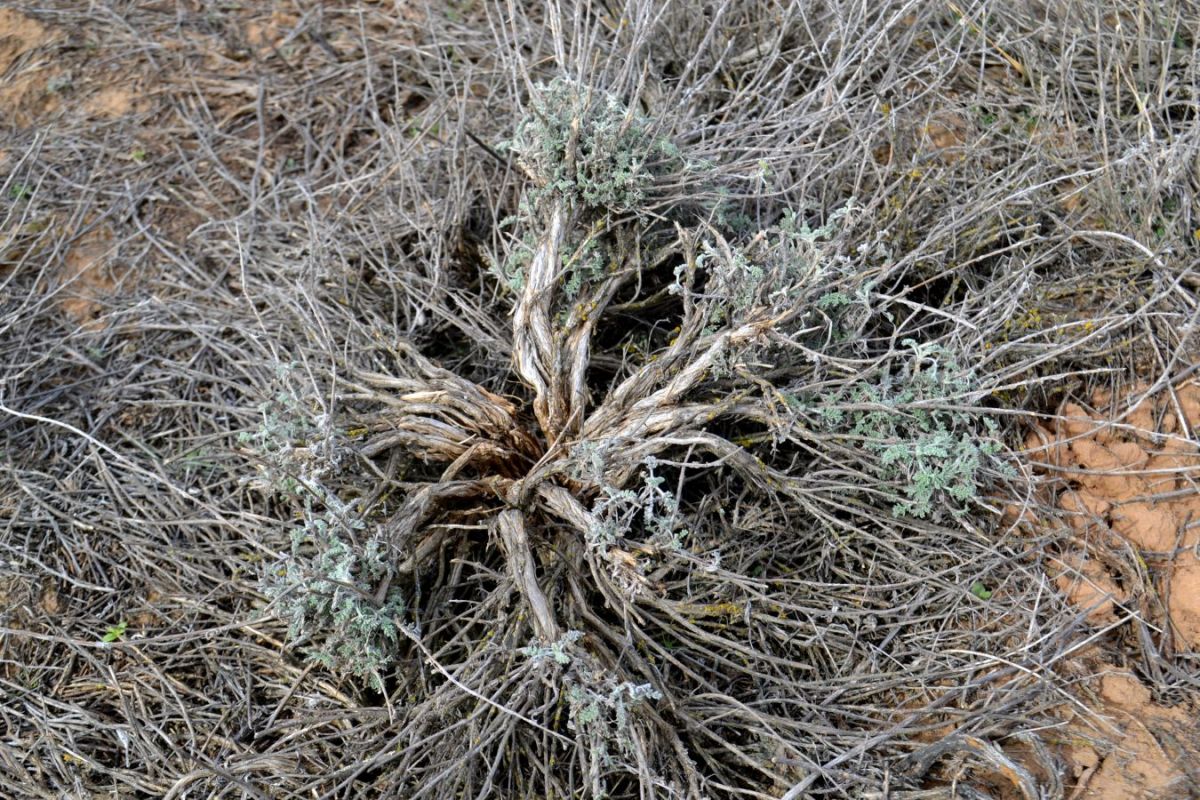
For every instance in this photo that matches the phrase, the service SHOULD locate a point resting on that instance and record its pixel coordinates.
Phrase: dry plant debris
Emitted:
(572, 400)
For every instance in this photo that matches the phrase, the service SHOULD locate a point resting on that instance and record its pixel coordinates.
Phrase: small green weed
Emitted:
(114, 632)
(981, 591)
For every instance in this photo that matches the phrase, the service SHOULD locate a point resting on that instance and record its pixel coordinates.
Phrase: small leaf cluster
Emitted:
(326, 586)
(328, 591)
(293, 444)
(584, 144)
(650, 513)
(916, 425)
(586, 256)
(589, 152)
(780, 267)
(601, 711)
(556, 651)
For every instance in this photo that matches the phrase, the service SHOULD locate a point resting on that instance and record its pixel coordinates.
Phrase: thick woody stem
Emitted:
(535, 350)
(511, 527)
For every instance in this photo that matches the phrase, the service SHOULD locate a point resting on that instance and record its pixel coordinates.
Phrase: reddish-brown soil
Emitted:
(27, 90)
(1127, 470)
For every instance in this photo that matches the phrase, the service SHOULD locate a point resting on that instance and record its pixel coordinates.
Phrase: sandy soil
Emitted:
(37, 88)
(1125, 471)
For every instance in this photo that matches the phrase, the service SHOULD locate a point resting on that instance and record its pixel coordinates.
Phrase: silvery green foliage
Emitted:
(511, 273)
(325, 587)
(294, 444)
(556, 651)
(602, 713)
(585, 145)
(909, 422)
(589, 460)
(601, 710)
(783, 265)
(650, 513)
(587, 150)
(327, 590)
(586, 261)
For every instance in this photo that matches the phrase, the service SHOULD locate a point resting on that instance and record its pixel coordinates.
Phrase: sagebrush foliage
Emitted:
(557, 651)
(585, 144)
(651, 509)
(779, 268)
(920, 427)
(327, 586)
(602, 713)
(328, 591)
